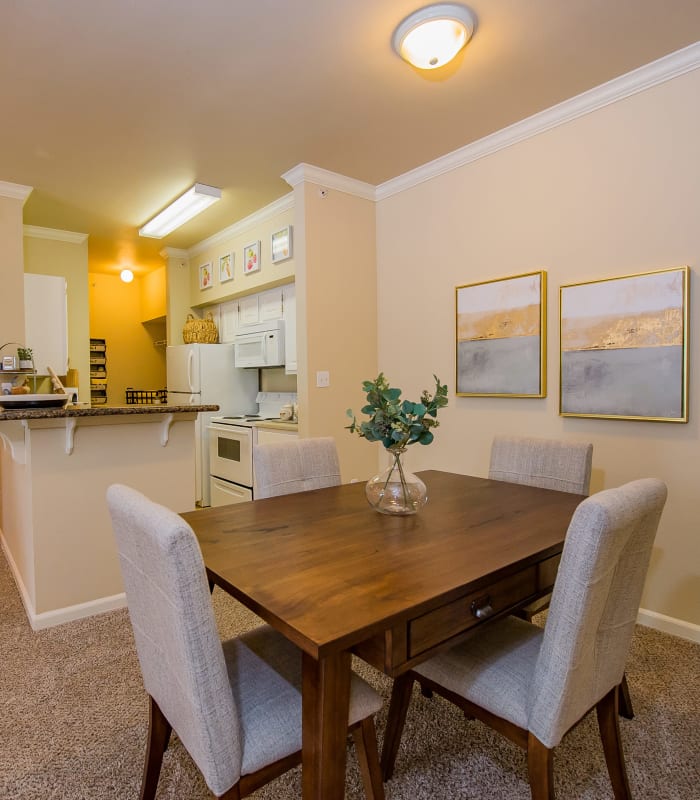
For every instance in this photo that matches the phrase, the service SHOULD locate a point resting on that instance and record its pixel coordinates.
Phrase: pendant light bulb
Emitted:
(126, 275)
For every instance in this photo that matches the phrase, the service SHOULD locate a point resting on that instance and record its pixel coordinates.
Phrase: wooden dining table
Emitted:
(338, 578)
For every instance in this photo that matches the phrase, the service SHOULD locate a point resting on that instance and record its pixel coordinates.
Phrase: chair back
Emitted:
(295, 466)
(545, 463)
(177, 642)
(594, 605)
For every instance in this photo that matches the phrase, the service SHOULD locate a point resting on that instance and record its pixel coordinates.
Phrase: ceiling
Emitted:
(110, 110)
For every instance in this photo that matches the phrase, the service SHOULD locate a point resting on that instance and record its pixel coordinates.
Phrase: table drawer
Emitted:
(443, 623)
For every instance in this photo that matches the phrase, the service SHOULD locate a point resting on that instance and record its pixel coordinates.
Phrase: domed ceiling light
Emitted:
(126, 275)
(432, 36)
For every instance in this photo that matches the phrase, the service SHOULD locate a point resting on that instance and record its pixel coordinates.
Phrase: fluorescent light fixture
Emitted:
(432, 36)
(126, 275)
(181, 211)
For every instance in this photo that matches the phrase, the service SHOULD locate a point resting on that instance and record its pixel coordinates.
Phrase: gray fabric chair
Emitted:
(534, 685)
(548, 464)
(295, 466)
(236, 705)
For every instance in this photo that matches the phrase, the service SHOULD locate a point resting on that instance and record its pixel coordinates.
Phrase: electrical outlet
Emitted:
(323, 379)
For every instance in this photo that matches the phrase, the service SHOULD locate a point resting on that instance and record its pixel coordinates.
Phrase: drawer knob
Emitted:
(481, 607)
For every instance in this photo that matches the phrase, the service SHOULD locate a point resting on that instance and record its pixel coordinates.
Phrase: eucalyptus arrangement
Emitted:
(396, 424)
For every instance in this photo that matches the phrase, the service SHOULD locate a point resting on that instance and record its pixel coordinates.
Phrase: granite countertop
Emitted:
(99, 411)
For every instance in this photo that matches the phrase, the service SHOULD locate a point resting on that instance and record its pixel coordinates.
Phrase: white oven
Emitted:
(230, 462)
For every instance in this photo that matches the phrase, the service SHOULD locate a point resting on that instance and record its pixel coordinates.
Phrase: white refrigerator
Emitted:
(203, 374)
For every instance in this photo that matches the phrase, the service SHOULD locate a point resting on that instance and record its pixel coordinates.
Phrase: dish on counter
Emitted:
(19, 401)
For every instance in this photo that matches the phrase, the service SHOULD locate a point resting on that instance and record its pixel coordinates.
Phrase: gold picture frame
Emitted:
(501, 337)
(624, 347)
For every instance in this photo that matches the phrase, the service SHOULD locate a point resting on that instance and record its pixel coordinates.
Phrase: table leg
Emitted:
(326, 699)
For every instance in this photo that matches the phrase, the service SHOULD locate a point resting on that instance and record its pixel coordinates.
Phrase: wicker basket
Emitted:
(200, 331)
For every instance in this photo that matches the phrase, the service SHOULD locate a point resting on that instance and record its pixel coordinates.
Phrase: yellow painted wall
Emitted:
(116, 316)
(612, 193)
(153, 293)
(336, 317)
(70, 261)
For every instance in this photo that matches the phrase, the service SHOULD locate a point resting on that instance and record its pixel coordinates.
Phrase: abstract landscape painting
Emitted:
(501, 337)
(624, 347)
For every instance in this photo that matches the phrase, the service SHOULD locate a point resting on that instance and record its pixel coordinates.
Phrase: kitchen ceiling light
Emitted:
(432, 36)
(181, 211)
(126, 275)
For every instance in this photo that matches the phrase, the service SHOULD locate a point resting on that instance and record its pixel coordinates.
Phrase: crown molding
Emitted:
(331, 180)
(263, 214)
(173, 252)
(34, 232)
(15, 191)
(646, 77)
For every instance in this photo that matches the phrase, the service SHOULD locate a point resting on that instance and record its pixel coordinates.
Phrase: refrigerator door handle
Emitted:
(190, 361)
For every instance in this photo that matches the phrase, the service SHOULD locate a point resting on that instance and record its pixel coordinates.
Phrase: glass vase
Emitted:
(395, 490)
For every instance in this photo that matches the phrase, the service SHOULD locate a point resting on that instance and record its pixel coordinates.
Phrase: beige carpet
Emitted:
(73, 718)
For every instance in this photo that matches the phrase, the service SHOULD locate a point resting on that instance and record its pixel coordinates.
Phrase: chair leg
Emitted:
(365, 736)
(158, 737)
(400, 698)
(625, 701)
(609, 726)
(540, 769)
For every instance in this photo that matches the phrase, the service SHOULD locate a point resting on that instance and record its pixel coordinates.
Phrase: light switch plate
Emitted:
(323, 379)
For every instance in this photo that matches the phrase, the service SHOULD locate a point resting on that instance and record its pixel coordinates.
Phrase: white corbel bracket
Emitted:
(71, 422)
(165, 429)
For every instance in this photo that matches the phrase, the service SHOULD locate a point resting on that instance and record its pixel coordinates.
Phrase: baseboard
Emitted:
(676, 627)
(58, 616)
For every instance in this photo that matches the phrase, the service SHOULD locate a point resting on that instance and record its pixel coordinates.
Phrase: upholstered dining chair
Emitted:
(532, 684)
(235, 705)
(295, 466)
(548, 464)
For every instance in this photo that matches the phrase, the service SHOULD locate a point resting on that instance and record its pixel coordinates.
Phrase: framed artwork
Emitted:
(206, 277)
(226, 267)
(251, 258)
(624, 347)
(501, 337)
(282, 244)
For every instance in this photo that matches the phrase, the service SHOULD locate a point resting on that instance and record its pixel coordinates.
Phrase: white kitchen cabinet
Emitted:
(228, 321)
(46, 322)
(266, 436)
(270, 305)
(248, 309)
(290, 329)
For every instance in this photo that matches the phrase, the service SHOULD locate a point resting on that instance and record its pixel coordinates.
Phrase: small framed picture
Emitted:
(226, 267)
(206, 277)
(282, 244)
(251, 258)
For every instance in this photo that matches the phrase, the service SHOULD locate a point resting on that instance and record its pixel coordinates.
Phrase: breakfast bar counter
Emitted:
(55, 467)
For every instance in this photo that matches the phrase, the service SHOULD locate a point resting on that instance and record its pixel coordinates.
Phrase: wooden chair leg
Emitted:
(158, 737)
(540, 769)
(625, 701)
(609, 726)
(365, 736)
(400, 699)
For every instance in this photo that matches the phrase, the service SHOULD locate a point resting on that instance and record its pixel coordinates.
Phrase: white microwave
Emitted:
(260, 345)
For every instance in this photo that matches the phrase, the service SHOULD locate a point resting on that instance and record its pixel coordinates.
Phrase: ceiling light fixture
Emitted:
(432, 36)
(180, 211)
(126, 275)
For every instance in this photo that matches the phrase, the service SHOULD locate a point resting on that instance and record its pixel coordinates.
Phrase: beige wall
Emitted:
(12, 271)
(612, 193)
(336, 317)
(116, 316)
(268, 275)
(68, 260)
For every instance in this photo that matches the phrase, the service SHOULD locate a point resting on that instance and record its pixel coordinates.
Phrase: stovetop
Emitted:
(269, 406)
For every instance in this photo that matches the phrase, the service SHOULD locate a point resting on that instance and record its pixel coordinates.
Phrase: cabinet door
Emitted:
(270, 304)
(228, 319)
(266, 436)
(290, 329)
(46, 322)
(248, 313)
